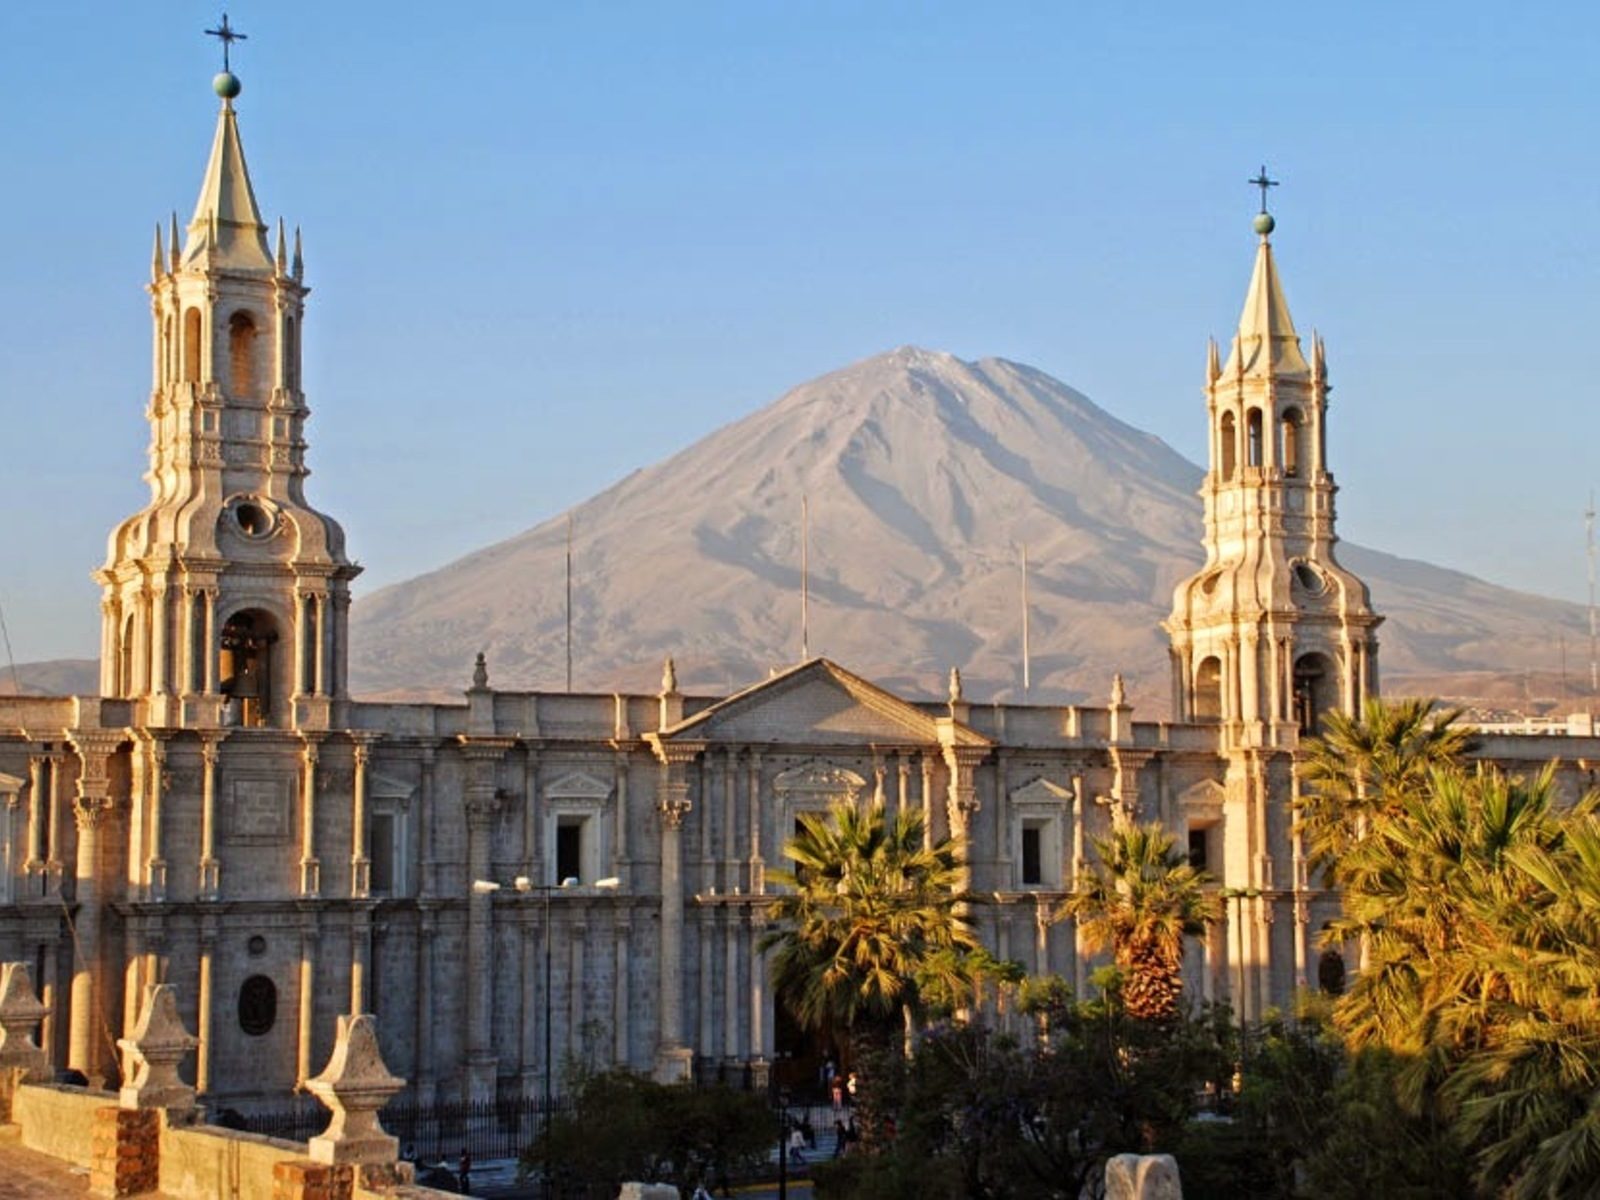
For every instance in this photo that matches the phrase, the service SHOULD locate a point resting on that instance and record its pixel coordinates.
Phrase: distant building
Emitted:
(225, 817)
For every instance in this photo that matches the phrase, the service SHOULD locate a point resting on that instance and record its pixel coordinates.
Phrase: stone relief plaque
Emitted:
(259, 812)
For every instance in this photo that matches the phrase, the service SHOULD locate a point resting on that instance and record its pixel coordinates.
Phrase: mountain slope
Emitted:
(924, 475)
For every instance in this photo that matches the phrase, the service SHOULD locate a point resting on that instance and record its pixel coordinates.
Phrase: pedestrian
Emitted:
(464, 1172)
(838, 1138)
(700, 1192)
(838, 1094)
(797, 1145)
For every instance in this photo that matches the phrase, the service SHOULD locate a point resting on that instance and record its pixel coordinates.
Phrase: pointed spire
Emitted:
(1213, 361)
(298, 267)
(158, 258)
(1266, 344)
(226, 213)
(280, 255)
(174, 245)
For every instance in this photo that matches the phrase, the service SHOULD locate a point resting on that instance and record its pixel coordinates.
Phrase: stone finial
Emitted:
(157, 1046)
(1143, 1177)
(955, 685)
(1119, 691)
(20, 1013)
(669, 678)
(354, 1086)
(480, 672)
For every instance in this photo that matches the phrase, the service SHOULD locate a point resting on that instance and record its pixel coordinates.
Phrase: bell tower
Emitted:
(225, 600)
(1272, 632)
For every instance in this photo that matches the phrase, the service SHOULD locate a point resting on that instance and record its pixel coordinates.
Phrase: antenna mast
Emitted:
(569, 601)
(1594, 664)
(1026, 673)
(805, 577)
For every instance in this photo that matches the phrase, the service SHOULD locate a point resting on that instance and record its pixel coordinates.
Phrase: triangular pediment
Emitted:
(387, 787)
(1202, 800)
(578, 785)
(819, 703)
(1042, 791)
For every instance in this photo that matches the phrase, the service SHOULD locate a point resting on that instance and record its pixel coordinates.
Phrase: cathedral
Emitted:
(523, 879)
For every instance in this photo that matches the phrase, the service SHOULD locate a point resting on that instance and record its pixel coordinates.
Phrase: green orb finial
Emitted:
(1264, 224)
(227, 85)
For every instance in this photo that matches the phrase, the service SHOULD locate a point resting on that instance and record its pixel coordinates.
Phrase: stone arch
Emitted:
(248, 665)
(1255, 448)
(1316, 690)
(1228, 437)
(192, 334)
(1292, 452)
(242, 353)
(1208, 689)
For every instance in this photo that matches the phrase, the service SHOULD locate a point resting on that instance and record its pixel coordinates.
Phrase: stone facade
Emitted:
(225, 818)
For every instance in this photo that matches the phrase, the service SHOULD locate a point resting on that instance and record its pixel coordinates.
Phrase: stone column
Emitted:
(427, 929)
(962, 802)
(310, 867)
(425, 835)
(360, 864)
(482, 758)
(903, 780)
(576, 1008)
(927, 801)
(360, 953)
(307, 1009)
(705, 1009)
(760, 1028)
(208, 944)
(730, 824)
(730, 983)
(210, 870)
(623, 855)
(156, 865)
(531, 861)
(528, 1022)
(110, 685)
(53, 862)
(322, 650)
(624, 1052)
(674, 1060)
(758, 867)
(38, 847)
(158, 640)
(302, 642)
(92, 808)
(209, 653)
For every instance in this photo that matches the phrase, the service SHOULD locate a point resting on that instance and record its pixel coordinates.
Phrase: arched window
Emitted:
(1230, 450)
(291, 355)
(241, 354)
(1330, 972)
(247, 667)
(258, 1006)
(1208, 690)
(191, 345)
(1315, 692)
(1253, 451)
(1293, 453)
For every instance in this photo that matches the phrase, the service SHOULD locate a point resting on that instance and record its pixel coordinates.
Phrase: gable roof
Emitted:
(819, 702)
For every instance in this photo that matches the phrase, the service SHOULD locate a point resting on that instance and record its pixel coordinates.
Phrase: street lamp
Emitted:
(1239, 896)
(525, 885)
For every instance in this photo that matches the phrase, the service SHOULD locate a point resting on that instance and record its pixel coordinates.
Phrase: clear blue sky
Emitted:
(552, 243)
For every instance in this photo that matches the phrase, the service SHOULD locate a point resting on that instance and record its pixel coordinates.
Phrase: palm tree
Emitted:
(873, 927)
(1141, 901)
(1363, 766)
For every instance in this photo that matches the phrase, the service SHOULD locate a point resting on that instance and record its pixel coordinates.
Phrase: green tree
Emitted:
(624, 1127)
(1141, 899)
(871, 930)
(1362, 767)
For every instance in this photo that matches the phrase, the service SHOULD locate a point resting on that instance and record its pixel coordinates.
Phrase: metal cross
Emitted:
(227, 35)
(1261, 181)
